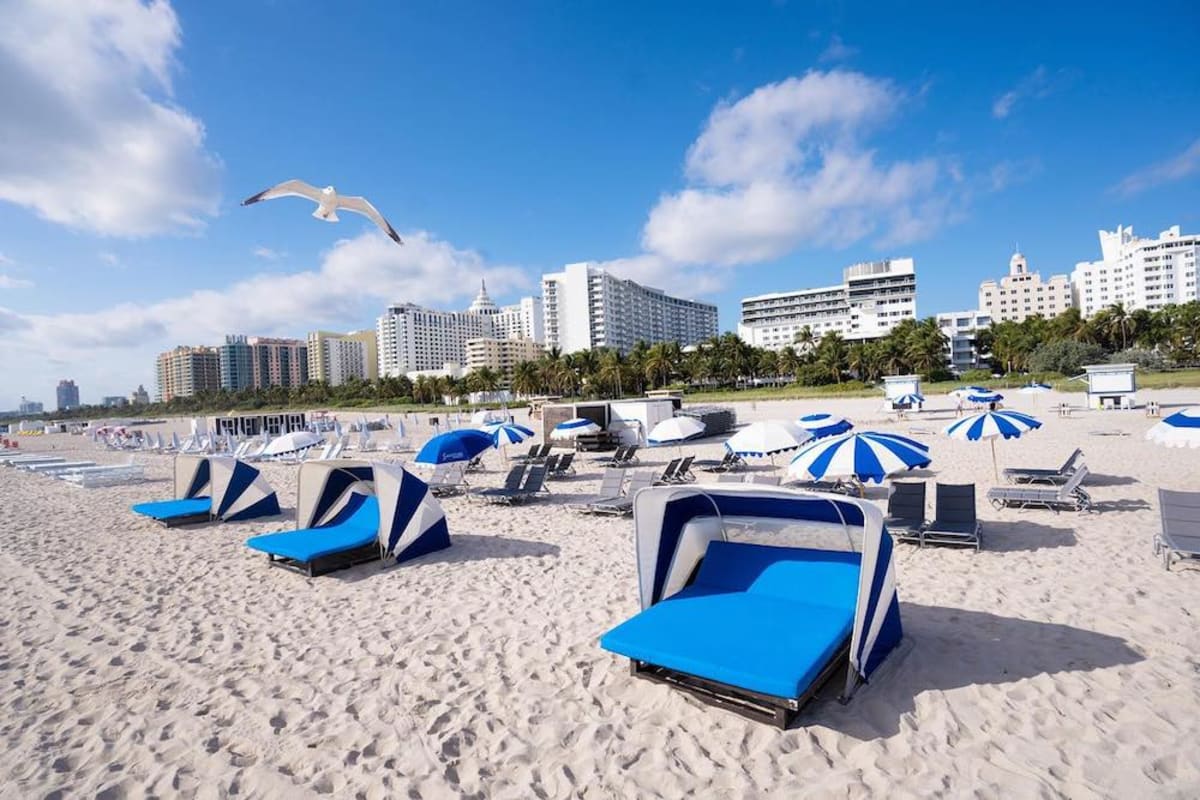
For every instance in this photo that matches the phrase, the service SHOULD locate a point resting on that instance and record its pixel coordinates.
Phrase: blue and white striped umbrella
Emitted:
(822, 425)
(503, 434)
(1035, 388)
(866, 456)
(985, 397)
(574, 427)
(963, 391)
(992, 425)
(1181, 429)
(908, 399)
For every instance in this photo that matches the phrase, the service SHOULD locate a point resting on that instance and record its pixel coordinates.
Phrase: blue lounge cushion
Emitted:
(766, 619)
(356, 526)
(165, 510)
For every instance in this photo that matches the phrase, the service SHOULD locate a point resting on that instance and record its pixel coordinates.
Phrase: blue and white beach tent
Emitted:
(1181, 429)
(457, 445)
(240, 491)
(764, 624)
(822, 425)
(411, 520)
(866, 456)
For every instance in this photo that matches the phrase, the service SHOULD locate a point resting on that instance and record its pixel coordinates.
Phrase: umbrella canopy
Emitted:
(992, 425)
(485, 416)
(574, 427)
(1034, 388)
(963, 391)
(821, 425)
(767, 438)
(460, 445)
(985, 397)
(1181, 429)
(675, 429)
(908, 399)
(292, 442)
(503, 435)
(867, 456)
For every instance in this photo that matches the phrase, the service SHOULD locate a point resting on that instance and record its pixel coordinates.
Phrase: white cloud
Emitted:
(837, 50)
(98, 144)
(112, 259)
(786, 166)
(1175, 168)
(1037, 85)
(1009, 172)
(8, 282)
(349, 287)
(267, 254)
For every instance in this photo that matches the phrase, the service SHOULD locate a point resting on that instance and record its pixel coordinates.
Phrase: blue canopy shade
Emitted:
(460, 445)
(992, 425)
(867, 456)
(822, 425)
(984, 397)
(503, 434)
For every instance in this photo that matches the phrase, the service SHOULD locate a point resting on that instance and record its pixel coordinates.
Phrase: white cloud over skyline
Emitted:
(1175, 168)
(9, 282)
(1037, 85)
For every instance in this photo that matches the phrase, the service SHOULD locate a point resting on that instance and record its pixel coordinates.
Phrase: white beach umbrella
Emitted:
(292, 443)
(1181, 429)
(765, 439)
(576, 426)
(674, 430)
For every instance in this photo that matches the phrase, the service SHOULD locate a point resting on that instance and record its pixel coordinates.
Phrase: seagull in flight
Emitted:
(328, 202)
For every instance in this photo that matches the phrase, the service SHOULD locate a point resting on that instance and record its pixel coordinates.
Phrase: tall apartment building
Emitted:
(30, 407)
(68, 395)
(870, 300)
(524, 320)
(586, 307)
(278, 362)
(961, 329)
(1022, 294)
(114, 401)
(236, 359)
(186, 371)
(1139, 273)
(501, 355)
(139, 396)
(335, 358)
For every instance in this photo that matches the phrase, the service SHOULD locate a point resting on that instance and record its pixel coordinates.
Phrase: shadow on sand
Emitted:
(954, 648)
(1010, 536)
(463, 547)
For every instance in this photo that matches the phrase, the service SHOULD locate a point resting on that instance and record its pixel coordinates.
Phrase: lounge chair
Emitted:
(1054, 476)
(610, 489)
(1180, 535)
(452, 480)
(668, 473)
(564, 467)
(351, 537)
(536, 453)
(52, 468)
(512, 482)
(1070, 496)
(954, 520)
(112, 475)
(475, 464)
(614, 458)
(630, 458)
(534, 449)
(826, 487)
(906, 511)
(533, 485)
(624, 505)
(731, 462)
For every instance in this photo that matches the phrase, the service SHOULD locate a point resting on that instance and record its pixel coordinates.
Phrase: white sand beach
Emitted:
(1061, 661)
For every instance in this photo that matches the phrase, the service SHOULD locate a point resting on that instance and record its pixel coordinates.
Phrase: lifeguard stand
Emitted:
(1110, 386)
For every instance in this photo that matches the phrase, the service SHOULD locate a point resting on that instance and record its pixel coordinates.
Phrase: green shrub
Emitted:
(1065, 355)
(976, 376)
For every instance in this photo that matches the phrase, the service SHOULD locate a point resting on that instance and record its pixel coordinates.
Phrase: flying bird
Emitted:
(328, 202)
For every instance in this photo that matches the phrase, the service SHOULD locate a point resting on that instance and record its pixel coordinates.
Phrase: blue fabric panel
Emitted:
(352, 530)
(243, 475)
(172, 509)
(891, 632)
(336, 483)
(815, 577)
(435, 538)
(266, 507)
(412, 492)
(199, 480)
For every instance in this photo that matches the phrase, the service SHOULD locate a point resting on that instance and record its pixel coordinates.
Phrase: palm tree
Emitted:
(527, 379)
(657, 364)
(805, 339)
(611, 372)
(484, 380)
(831, 354)
(789, 362)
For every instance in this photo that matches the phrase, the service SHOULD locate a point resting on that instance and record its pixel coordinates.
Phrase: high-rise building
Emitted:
(30, 407)
(523, 320)
(114, 401)
(961, 329)
(585, 307)
(68, 395)
(187, 371)
(501, 355)
(139, 396)
(278, 362)
(237, 364)
(1138, 273)
(870, 300)
(335, 358)
(1022, 294)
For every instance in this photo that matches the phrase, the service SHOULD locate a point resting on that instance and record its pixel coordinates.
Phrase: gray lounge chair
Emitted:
(1052, 476)
(624, 505)
(534, 484)
(668, 473)
(1180, 536)
(954, 520)
(562, 468)
(730, 463)
(451, 481)
(610, 489)
(1070, 496)
(906, 511)
(512, 482)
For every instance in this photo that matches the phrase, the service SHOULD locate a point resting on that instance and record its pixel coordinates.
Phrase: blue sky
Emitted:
(714, 149)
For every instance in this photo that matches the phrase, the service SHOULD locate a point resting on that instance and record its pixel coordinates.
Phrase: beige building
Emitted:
(186, 371)
(1022, 294)
(334, 358)
(501, 355)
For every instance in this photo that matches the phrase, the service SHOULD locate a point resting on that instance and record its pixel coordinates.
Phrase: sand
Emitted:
(134, 660)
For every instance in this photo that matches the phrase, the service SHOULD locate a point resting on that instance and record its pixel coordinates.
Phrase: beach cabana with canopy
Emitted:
(754, 628)
(213, 487)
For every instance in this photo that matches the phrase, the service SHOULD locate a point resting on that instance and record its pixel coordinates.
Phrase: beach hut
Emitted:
(896, 387)
(1110, 386)
(753, 628)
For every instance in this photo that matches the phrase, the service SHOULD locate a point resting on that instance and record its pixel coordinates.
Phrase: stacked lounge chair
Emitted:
(1070, 496)
(1179, 538)
(1052, 476)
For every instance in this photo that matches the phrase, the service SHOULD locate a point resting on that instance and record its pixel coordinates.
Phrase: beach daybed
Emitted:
(1070, 496)
(1054, 476)
(752, 628)
(351, 512)
(213, 487)
(954, 518)
(1179, 538)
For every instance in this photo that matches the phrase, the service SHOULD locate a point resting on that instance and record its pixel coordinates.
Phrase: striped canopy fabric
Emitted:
(411, 520)
(674, 430)
(192, 477)
(908, 399)
(985, 397)
(1181, 429)
(821, 425)
(963, 391)
(503, 435)
(573, 427)
(324, 489)
(460, 445)
(867, 456)
(240, 491)
(674, 524)
(767, 438)
(992, 425)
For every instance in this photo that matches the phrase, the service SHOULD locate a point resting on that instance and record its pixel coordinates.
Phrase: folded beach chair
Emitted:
(564, 468)
(731, 462)
(1055, 476)
(533, 485)
(451, 481)
(512, 483)
(668, 473)
(1180, 535)
(906, 511)
(610, 489)
(624, 505)
(1070, 496)
(954, 520)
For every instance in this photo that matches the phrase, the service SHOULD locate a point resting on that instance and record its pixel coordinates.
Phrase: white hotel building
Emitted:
(871, 299)
(586, 307)
(1139, 273)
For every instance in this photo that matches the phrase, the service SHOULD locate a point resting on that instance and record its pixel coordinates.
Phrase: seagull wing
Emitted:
(292, 188)
(360, 205)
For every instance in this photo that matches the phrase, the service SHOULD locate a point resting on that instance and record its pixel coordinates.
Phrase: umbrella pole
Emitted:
(995, 469)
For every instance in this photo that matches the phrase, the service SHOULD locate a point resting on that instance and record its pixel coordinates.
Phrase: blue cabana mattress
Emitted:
(765, 619)
(356, 526)
(167, 510)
